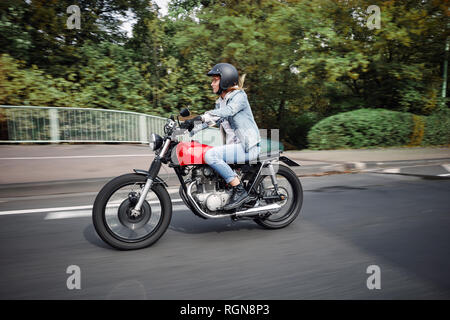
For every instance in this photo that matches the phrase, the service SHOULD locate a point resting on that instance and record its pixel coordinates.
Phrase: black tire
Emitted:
(106, 233)
(271, 222)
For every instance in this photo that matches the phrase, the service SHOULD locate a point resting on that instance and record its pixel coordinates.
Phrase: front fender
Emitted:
(146, 173)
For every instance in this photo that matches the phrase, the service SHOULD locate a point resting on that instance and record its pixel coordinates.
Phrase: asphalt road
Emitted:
(348, 223)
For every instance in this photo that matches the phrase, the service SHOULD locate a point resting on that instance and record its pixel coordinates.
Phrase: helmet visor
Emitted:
(214, 72)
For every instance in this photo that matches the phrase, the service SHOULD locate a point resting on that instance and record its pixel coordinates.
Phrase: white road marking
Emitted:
(68, 214)
(79, 157)
(3, 213)
(59, 209)
(88, 213)
(444, 175)
(65, 195)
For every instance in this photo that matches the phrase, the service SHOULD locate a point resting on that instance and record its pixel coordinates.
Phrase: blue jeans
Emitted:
(218, 157)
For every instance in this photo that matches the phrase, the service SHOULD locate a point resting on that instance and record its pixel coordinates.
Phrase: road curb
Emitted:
(392, 167)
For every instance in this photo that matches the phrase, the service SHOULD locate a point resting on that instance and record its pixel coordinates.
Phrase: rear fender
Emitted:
(289, 162)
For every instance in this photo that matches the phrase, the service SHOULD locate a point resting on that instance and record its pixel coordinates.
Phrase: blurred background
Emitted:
(324, 72)
(356, 91)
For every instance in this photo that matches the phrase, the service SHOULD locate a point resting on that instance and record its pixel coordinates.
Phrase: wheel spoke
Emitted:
(122, 224)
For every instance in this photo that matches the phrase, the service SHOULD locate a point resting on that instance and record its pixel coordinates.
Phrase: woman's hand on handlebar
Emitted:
(189, 124)
(198, 128)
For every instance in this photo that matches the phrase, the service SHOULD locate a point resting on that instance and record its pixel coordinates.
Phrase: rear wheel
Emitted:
(290, 188)
(118, 226)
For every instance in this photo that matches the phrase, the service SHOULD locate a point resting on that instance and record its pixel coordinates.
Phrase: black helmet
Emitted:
(229, 75)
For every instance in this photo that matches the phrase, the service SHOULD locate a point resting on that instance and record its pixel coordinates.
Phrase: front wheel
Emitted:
(290, 187)
(118, 226)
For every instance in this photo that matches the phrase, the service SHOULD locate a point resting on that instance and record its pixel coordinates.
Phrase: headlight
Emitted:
(155, 141)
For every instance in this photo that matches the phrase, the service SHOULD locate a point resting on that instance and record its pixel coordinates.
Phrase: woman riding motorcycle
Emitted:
(233, 113)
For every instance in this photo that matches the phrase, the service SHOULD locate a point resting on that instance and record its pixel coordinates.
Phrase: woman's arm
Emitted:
(236, 104)
(210, 119)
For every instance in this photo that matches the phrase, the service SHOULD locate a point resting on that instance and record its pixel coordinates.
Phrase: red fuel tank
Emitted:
(188, 153)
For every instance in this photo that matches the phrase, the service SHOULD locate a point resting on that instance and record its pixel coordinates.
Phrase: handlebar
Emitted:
(198, 128)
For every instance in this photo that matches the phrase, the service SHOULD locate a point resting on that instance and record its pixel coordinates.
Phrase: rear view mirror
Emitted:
(185, 112)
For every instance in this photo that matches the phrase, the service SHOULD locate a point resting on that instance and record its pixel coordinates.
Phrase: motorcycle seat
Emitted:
(268, 156)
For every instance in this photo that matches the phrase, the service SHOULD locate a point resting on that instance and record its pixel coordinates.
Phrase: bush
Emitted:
(364, 128)
(437, 129)
(295, 127)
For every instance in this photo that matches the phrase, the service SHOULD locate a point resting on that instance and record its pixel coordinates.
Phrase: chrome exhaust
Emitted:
(258, 210)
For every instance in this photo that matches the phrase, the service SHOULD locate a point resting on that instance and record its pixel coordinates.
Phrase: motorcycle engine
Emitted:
(207, 194)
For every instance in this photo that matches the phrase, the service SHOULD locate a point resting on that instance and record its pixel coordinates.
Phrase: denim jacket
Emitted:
(239, 114)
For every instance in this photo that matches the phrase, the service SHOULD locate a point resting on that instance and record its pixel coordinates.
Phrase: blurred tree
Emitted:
(31, 86)
(147, 43)
(260, 39)
(304, 60)
(40, 28)
(15, 35)
(108, 77)
(395, 67)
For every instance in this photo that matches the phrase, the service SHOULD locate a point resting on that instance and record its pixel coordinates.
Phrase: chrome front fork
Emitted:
(136, 211)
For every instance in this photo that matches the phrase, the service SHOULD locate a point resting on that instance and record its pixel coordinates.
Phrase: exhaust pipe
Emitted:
(258, 210)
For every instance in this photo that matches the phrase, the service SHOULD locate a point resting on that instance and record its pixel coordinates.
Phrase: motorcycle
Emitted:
(134, 210)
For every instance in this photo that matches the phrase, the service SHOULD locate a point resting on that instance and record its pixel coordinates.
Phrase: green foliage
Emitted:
(295, 128)
(36, 31)
(361, 129)
(303, 60)
(395, 67)
(367, 128)
(437, 129)
(23, 86)
(15, 37)
(107, 77)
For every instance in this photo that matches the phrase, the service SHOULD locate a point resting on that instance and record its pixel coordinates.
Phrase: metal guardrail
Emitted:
(21, 124)
(34, 124)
